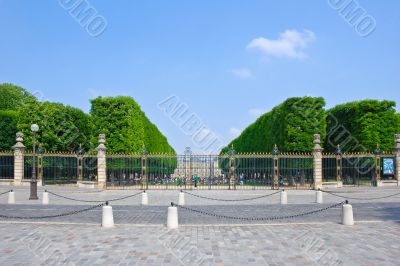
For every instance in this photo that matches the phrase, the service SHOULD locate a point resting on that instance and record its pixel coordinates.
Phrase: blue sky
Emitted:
(227, 61)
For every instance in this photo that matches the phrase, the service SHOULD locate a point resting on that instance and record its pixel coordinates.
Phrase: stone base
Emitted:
(6, 182)
(100, 185)
(25, 182)
(337, 184)
(86, 184)
(387, 183)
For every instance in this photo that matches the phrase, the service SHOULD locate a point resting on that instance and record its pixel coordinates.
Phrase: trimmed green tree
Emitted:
(290, 125)
(362, 125)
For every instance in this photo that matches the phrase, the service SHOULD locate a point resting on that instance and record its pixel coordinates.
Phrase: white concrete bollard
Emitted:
(283, 197)
(145, 198)
(45, 199)
(108, 217)
(11, 197)
(172, 219)
(347, 214)
(319, 197)
(181, 200)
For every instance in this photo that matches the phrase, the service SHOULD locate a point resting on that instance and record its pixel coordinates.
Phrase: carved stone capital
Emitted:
(19, 138)
(317, 143)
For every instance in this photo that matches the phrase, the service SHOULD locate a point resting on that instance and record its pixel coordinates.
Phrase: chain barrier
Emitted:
(93, 201)
(6, 192)
(231, 200)
(87, 192)
(354, 198)
(273, 218)
(52, 216)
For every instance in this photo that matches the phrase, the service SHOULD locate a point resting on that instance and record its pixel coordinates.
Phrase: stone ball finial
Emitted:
(396, 148)
(317, 138)
(102, 138)
(19, 137)
(397, 138)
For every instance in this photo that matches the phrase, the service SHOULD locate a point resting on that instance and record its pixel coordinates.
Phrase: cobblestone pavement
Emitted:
(157, 215)
(140, 236)
(317, 244)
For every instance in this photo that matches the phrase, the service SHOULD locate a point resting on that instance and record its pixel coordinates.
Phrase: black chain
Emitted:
(80, 200)
(353, 198)
(273, 218)
(208, 198)
(88, 192)
(5, 192)
(51, 216)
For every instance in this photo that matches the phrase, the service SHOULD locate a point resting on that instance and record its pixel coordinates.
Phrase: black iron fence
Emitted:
(256, 172)
(89, 168)
(190, 171)
(296, 171)
(6, 165)
(59, 169)
(330, 164)
(28, 165)
(123, 171)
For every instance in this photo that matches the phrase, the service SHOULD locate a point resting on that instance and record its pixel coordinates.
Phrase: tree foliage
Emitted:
(61, 128)
(8, 128)
(362, 125)
(290, 125)
(13, 97)
(126, 127)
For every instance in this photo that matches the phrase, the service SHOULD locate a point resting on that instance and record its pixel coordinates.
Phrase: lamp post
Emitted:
(40, 174)
(33, 196)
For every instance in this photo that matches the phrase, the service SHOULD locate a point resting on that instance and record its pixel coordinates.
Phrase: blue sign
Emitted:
(388, 166)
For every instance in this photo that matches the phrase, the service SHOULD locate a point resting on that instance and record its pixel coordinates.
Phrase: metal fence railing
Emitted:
(296, 171)
(330, 168)
(254, 172)
(59, 169)
(89, 168)
(6, 165)
(192, 171)
(28, 165)
(123, 171)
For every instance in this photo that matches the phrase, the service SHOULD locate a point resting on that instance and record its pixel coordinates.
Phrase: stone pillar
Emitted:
(396, 151)
(317, 154)
(19, 150)
(232, 173)
(377, 179)
(378, 167)
(275, 154)
(232, 157)
(339, 160)
(188, 167)
(101, 162)
(144, 168)
(39, 170)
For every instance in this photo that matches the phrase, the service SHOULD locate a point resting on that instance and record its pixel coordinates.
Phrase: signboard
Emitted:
(388, 166)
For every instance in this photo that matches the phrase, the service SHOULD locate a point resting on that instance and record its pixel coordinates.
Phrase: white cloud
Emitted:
(256, 112)
(235, 132)
(242, 73)
(290, 43)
